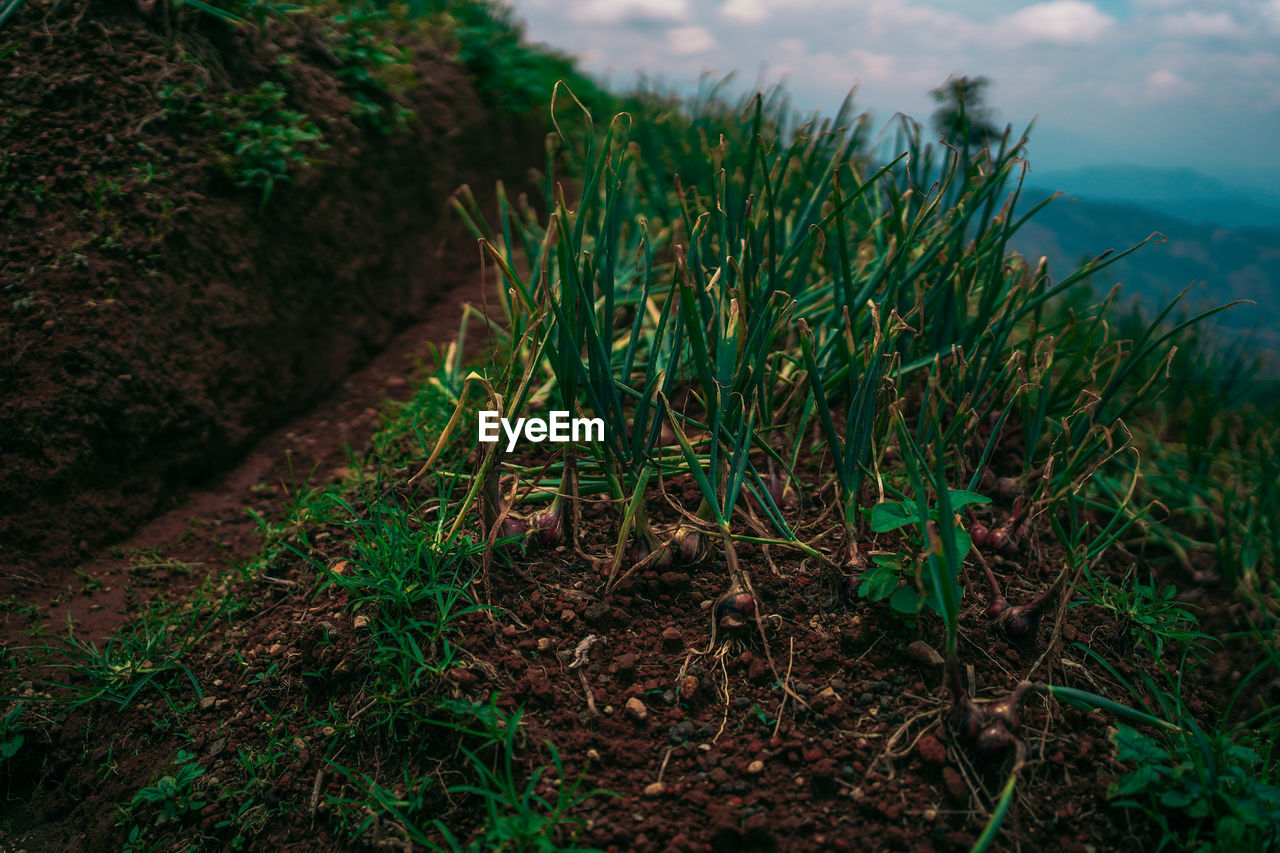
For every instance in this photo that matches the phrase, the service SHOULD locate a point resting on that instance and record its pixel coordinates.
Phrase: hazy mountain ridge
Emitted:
(1179, 192)
(1222, 264)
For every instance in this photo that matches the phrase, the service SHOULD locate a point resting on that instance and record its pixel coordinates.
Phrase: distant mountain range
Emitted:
(1180, 193)
(1224, 263)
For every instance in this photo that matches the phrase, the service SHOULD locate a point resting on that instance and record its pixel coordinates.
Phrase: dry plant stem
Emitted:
(1055, 638)
(665, 759)
(654, 556)
(591, 699)
(791, 657)
(315, 793)
(890, 752)
(1009, 487)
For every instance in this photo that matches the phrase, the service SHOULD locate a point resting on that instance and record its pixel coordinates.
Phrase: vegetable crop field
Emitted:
(832, 524)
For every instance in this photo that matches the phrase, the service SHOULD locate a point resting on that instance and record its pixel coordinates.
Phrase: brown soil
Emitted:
(214, 527)
(704, 748)
(158, 324)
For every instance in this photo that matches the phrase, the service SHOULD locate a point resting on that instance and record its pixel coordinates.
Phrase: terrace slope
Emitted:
(158, 318)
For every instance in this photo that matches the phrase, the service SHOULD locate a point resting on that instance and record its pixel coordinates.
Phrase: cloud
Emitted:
(1165, 84)
(632, 12)
(690, 41)
(744, 11)
(1055, 22)
(1271, 15)
(1194, 24)
(1127, 75)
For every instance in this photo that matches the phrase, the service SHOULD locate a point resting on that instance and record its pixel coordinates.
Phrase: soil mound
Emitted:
(159, 317)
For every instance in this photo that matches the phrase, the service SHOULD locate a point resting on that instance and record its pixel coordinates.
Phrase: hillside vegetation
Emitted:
(895, 538)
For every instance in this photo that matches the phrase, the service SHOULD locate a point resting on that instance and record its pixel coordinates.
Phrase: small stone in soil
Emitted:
(681, 731)
(923, 653)
(955, 783)
(931, 750)
(637, 709)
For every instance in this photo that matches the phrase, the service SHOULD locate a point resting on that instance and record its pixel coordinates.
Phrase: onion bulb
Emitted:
(689, 544)
(548, 525)
(989, 728)
(736, 608)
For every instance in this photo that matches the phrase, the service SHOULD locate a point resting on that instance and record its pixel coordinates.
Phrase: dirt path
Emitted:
(209, 527)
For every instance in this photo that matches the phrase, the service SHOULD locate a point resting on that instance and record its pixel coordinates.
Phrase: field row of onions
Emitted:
(834, 350)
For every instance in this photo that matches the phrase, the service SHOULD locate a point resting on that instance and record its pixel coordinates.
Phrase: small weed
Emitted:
(11, 733)
(412, 580)
(178, 100)
(888, 578)
(1153, 614)
(88, 582)
(145, 561)
(884, 580)
(146, 653)
(109, 766)
(102, 192)
(373, 66)
(518, 818)
(172, 798)
(1204, 794)
(146, 173)
(264, 141)
(248, 800)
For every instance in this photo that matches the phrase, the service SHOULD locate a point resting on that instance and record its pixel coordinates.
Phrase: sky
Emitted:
(1165, 83)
